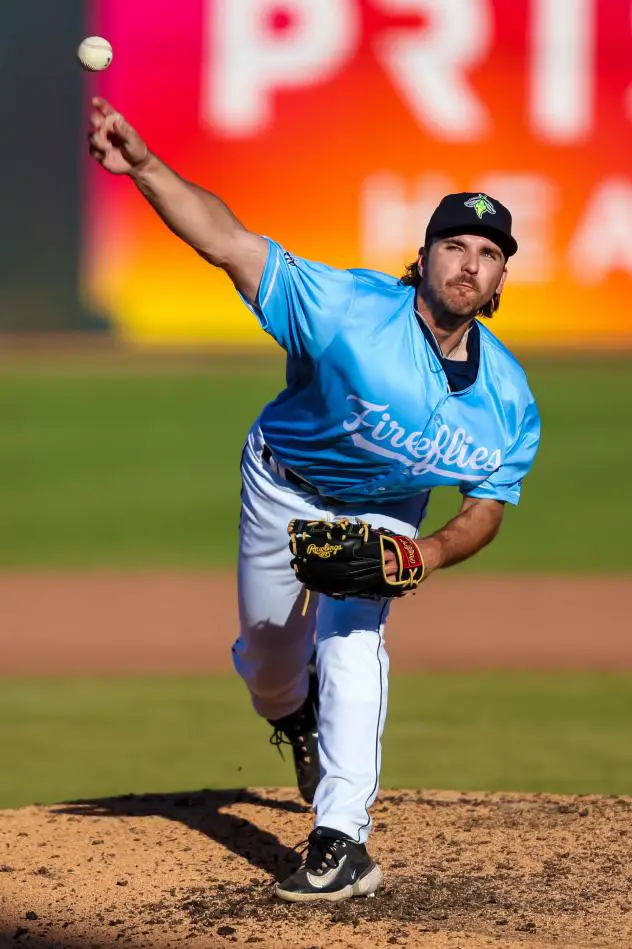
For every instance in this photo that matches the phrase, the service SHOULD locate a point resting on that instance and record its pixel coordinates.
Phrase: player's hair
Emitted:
(412, 278)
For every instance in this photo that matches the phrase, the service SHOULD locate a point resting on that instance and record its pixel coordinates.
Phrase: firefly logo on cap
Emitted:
(481, 204)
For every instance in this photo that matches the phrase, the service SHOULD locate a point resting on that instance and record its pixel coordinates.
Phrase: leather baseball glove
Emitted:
(347, 558)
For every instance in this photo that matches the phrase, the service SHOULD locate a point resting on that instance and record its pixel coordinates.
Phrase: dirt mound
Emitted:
(195, 870)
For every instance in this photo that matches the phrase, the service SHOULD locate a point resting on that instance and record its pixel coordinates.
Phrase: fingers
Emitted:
(96, 148)
(104, 120)
(104, 116)
(121, 127)
(98, 139)
(102, 128)
(102, 106)
(96, 121)
(128, 140)
(390, 564)
(98, 144)
(97, 154)
(111, 133)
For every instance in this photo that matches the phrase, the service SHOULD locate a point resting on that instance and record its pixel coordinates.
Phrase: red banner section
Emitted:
(335, 126)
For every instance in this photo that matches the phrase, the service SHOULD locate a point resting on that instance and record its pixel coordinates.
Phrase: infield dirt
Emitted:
(462, 871)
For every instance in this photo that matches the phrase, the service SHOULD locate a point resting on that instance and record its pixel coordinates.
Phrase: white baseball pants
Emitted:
(276, 641)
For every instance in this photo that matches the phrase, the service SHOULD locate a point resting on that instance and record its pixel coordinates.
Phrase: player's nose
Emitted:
(470, 263)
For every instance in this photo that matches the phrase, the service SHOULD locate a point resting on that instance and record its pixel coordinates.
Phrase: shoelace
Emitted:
(321, 855)
(279, 737)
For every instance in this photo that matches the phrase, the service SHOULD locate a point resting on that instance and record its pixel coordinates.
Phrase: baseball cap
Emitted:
(472, 213)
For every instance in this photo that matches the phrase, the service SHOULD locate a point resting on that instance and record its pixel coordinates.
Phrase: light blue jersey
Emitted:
(367, 412)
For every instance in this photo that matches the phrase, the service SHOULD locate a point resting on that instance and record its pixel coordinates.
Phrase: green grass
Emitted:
(141, 468)
(557, 732)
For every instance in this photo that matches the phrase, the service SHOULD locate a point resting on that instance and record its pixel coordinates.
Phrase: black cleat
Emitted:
(335, 869)
(300, 730)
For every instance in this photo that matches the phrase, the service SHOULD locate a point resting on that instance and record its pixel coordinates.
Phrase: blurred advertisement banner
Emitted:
(335, 126)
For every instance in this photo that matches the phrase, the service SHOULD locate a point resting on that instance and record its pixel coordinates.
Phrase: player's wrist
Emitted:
(144, 167)
(432, 554)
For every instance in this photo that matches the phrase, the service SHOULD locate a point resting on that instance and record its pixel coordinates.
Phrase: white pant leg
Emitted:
(352, 665)
(276, 641)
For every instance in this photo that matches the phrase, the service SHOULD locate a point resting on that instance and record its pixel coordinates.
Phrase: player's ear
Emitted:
(421, 262)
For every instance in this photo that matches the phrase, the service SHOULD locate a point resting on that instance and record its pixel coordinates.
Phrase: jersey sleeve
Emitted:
(505, 483)
(300, 303)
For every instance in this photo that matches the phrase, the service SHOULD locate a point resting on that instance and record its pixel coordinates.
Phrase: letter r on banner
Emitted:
(429, 67)
(246, 60)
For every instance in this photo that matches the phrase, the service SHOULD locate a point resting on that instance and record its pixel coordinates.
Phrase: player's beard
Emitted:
(451, 307)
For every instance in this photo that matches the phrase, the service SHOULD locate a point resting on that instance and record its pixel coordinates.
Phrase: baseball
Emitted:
(95, 53)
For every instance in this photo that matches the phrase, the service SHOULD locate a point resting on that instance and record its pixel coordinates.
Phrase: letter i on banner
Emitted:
(564, 39)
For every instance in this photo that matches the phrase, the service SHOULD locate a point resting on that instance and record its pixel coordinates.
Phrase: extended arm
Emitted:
(195, 215)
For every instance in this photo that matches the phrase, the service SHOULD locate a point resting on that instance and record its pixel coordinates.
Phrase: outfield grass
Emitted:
(141, 469)
(69, 739)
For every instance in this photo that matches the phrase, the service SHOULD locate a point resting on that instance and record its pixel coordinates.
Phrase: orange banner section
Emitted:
(335, 126)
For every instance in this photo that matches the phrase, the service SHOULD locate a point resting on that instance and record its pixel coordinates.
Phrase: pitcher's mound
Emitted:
(195, 870)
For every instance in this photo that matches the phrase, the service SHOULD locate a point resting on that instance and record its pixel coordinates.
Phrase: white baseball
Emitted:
(95, 53)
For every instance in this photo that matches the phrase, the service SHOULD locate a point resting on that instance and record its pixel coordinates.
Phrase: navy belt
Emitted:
(288, 475)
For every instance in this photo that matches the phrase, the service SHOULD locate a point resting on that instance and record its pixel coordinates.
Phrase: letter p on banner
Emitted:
(253, 48)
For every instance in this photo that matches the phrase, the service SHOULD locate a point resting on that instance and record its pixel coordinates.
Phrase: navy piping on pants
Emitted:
(377, 728)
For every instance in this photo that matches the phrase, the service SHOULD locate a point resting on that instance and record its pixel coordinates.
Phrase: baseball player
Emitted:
(393, 387)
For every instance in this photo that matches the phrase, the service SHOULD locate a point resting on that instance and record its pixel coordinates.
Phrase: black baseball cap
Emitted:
(472, 213)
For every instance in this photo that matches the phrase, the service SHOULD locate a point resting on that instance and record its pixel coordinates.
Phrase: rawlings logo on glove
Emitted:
(328, 550)
(348, 558)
